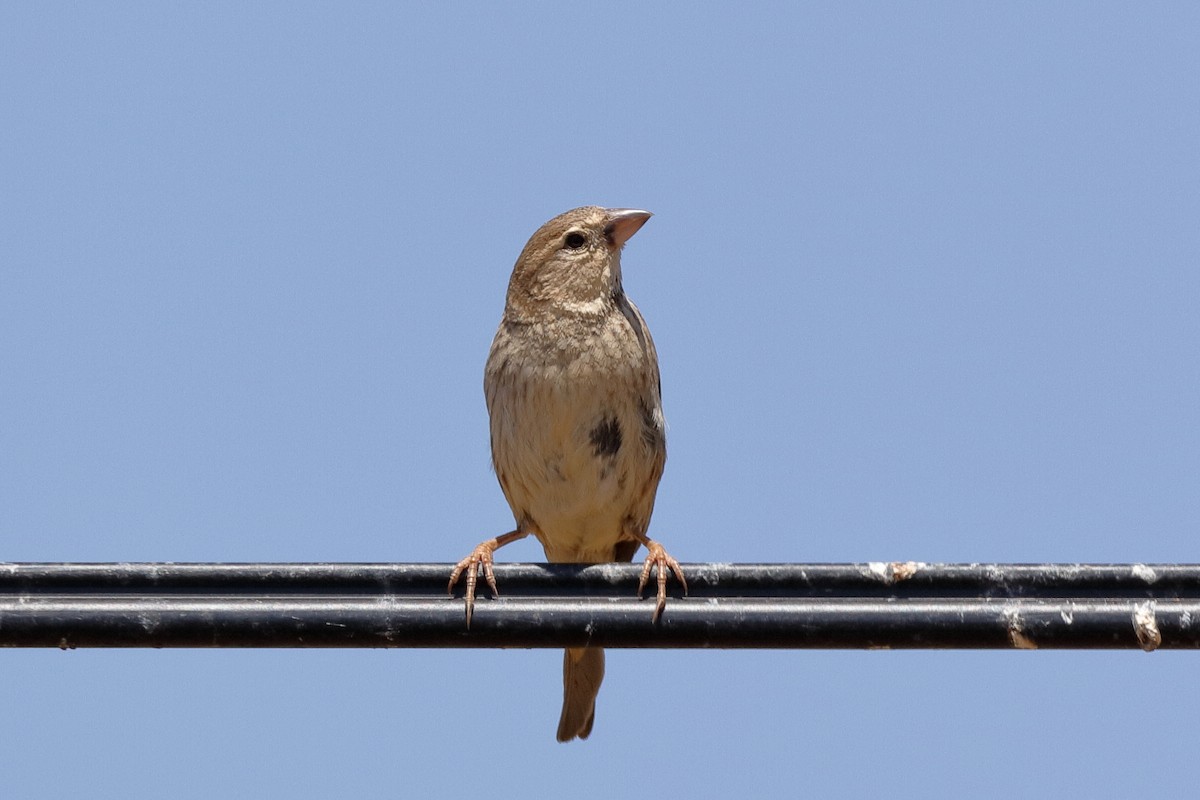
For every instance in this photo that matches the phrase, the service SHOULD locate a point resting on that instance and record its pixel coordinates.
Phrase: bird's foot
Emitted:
(481, 557)
(660, 559)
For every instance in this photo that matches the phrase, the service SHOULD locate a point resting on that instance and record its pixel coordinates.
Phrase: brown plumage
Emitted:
(578, 437)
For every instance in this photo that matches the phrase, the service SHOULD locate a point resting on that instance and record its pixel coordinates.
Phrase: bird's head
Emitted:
(572, 265)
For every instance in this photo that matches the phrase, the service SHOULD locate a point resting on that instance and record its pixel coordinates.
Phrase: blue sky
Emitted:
(924, 282)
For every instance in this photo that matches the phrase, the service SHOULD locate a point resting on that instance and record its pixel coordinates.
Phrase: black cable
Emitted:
(875, 605)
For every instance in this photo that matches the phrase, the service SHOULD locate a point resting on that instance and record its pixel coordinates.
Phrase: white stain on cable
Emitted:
(1016, 631)
(1146, 626)
(1145, 573)
(903, 570)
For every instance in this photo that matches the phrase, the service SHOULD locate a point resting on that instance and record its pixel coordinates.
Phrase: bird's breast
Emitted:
(569, 440)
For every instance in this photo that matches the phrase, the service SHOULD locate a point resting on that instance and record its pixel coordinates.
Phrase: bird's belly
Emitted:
(580, 539)
(572, 468)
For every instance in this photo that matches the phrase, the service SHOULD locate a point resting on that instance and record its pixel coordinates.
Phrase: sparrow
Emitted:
(577, 429)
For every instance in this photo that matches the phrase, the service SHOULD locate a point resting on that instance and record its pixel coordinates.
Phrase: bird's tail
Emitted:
(583, 670)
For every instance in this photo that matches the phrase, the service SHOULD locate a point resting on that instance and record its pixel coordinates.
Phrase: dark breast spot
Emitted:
(606, 437)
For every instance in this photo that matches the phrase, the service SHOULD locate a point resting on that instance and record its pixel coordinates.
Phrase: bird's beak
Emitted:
(622, 224)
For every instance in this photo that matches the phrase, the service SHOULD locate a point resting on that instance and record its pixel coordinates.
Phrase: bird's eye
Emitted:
(575, 240)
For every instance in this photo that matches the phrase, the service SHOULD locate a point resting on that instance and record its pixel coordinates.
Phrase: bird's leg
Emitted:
(481, 556)
(657, 557)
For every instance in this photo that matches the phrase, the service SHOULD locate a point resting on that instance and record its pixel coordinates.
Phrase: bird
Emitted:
(578, 436)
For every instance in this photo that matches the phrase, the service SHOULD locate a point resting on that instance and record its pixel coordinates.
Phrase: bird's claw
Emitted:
(481, 556)
(657, 557)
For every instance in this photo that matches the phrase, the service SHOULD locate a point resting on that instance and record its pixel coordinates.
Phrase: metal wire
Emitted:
(874, 605)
